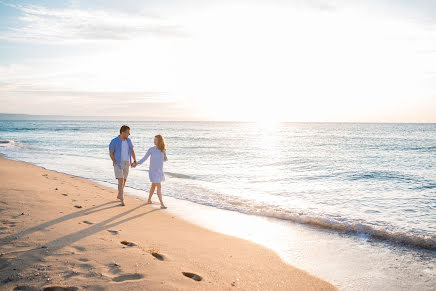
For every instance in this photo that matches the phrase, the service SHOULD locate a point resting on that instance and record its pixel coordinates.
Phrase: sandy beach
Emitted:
(61, 230)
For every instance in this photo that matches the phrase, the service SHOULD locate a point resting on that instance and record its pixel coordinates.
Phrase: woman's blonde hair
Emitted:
(161, 143)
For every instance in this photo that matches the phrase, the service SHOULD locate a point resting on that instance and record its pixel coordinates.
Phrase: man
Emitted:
(121, 152)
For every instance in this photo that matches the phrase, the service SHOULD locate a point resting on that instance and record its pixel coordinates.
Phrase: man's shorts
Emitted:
(123, 172)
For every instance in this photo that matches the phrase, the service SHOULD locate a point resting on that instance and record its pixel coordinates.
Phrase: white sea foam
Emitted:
(11, 143)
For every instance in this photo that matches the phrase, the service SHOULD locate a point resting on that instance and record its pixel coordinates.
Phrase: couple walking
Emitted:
(121, 152)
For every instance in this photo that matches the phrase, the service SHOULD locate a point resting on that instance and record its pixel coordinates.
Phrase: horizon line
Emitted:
(138, 118)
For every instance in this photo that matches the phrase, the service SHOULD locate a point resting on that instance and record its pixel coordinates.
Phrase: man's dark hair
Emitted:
(124, 128)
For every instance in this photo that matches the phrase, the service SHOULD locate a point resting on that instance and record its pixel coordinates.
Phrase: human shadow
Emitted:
(40, 227)
(32, 256)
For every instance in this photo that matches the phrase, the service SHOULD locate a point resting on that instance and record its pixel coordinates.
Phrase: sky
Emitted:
(265, 61)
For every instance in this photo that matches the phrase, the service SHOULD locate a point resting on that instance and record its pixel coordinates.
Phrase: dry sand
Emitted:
(60, 230)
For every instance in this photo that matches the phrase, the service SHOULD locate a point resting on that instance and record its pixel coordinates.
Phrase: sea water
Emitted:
(360, 182)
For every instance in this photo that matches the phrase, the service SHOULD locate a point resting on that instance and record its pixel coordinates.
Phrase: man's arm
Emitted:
(112, 151)
(134, 157)
(112, 155)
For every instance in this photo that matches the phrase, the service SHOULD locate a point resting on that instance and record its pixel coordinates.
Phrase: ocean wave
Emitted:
(429, 148)
(65, 129)
(359, 227)
(380, 175)
(12, 143)
(401, 148)
(44, 129)
(174, 175)
(355, 227)
(24, 129)
(178, 175)
(417, 182)
(385, 176)
(426, 186)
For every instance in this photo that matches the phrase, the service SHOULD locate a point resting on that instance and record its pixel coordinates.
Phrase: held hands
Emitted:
(134, 164)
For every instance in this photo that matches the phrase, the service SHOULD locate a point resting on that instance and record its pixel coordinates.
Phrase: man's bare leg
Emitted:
(159, 194)
(120, 188)
(122, 199)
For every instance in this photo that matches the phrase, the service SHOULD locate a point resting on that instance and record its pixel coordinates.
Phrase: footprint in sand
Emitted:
(83, 260)
(25, 288)
(114, 268)
(114, 232)
(78, 206)
(71, 274)
(64, 194)
(128, 243)
(94, 275)
(93, 287)
(60, 288)
(192, 276)
(86, 266)
(158, 256)
(9, 223)
(128, 277)
(80, 249)
(87, 222)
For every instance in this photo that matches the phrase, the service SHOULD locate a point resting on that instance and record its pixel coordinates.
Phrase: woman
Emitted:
(158, 156)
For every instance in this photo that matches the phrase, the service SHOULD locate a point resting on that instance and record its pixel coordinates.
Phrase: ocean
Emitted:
(370, 181)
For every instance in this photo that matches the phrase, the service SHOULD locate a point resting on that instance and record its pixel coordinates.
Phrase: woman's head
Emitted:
(159, 141)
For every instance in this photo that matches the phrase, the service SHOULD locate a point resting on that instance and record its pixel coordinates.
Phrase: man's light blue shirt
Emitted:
(115, 146)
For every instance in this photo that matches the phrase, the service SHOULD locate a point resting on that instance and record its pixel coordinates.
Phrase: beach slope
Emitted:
(61, 230)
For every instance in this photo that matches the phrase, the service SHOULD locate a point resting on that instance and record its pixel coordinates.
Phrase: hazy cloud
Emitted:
(135, 105)
(48, 25)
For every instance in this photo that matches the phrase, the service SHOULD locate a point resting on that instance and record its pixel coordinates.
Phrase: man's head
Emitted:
(124, 131)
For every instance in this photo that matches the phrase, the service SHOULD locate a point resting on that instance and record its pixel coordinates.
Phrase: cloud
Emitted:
(49, 25)
(143, 105)
(128, 97)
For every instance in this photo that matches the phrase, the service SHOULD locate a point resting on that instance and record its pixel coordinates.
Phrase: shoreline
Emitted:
(69, 230)
(395, 237)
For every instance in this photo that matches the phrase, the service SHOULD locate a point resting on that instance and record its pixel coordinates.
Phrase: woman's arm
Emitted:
(145, 157)
(165, 155)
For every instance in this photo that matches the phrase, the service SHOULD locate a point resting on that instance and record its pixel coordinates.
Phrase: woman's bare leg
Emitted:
(152, 187)
(159, 194)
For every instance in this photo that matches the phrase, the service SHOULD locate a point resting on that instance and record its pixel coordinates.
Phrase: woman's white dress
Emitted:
(155, 172)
